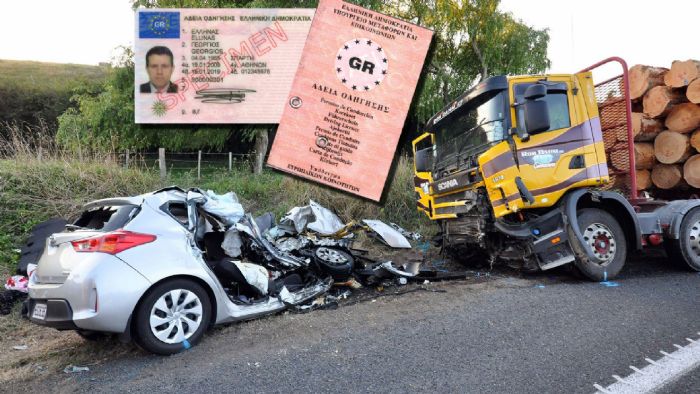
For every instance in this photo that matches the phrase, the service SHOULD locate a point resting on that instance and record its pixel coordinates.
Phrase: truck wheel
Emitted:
(603, 234)
(172, 317)
(685, 252)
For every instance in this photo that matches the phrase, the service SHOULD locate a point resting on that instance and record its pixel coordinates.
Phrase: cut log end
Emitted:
(660, 99)
(645, 128)
(682, 73)
(695, 140)
(644, 155)
(667, 176)
(642, 78)
(643, 179)
(671, 147)
(691, 171)
(693, 92)
(684, 118)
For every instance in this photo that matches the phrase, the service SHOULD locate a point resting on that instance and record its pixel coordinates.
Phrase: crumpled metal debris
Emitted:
(75, 369)
(387, 234)
(225, 206)
(288, 244)
(279, 251)
(411, 235)
(305, 294)
(407, 270)
(313, 217)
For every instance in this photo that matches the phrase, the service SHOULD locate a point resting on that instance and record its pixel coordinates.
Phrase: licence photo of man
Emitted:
(159, 64)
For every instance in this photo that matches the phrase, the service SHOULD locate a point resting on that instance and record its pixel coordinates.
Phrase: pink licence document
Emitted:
(349, 99)
(229, 65)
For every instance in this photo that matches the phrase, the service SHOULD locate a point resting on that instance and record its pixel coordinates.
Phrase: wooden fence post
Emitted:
(126, 159)
(161, 163)
(230, 159)
(199, 164)
(40, 154)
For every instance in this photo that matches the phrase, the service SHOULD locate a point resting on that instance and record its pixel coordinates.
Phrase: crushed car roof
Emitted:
(165, 194)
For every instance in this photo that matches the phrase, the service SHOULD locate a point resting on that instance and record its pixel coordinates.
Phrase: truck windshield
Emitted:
(476, 124)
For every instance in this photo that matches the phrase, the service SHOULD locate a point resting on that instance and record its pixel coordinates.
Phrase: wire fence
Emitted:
(199, 161)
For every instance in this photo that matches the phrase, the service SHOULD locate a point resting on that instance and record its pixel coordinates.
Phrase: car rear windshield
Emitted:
(107, 218)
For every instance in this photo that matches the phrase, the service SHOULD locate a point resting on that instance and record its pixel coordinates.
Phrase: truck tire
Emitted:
(603, 233)
(685, 252)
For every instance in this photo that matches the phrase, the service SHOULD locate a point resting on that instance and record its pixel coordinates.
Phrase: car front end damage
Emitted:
(164, 266)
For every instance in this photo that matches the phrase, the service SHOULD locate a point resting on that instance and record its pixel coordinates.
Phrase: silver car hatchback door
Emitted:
(60, 257)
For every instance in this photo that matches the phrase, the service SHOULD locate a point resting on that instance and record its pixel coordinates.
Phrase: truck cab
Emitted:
(517, 169)
(527, 151)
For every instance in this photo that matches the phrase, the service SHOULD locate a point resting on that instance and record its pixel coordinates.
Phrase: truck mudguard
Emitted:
(612, 202)
(670, 214)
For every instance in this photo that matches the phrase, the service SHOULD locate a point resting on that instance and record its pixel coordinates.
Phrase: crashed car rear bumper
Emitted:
(96, 296)
(57, 314)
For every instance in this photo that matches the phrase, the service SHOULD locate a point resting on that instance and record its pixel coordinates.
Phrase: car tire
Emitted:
(685, 251)
(172, 317)
(335, 262)
(602, 232)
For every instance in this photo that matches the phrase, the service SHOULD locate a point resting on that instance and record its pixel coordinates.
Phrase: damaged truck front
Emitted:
(518, 169)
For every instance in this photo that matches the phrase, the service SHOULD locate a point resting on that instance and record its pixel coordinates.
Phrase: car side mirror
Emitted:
(424, 159)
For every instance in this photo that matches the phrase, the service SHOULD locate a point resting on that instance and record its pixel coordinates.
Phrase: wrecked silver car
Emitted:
(164, 266)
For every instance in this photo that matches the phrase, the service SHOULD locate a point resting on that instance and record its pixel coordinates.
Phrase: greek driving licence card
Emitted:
(350, 96)
(216, 65)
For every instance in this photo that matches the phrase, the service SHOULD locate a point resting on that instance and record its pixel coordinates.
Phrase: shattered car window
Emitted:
(107, 218)
(178, 210)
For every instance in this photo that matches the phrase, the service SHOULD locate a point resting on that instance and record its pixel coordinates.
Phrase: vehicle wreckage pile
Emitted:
(300, 258)
(306, 261)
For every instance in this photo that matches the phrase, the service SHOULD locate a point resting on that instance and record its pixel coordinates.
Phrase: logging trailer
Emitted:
(517, 170)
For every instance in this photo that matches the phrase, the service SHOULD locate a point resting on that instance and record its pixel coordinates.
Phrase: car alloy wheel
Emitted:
(176, 315)
(331, 256)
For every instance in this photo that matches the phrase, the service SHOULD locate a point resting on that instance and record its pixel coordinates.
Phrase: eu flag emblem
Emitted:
(159, 25)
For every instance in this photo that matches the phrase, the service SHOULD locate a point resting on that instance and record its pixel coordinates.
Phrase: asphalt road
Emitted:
(504, 333)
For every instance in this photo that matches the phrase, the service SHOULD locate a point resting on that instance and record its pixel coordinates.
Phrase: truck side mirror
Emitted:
(534, 92)
(536, 110)
(522, 134)
(424, 159)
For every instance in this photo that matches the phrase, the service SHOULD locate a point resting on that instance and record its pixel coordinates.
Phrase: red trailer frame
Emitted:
(613, 94)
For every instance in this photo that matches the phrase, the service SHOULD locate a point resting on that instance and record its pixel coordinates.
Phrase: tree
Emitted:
(473, 40)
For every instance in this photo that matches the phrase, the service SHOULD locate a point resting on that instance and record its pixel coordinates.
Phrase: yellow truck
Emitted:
(516, 170)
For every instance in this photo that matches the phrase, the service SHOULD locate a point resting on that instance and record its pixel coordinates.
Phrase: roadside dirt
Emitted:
(49, 351)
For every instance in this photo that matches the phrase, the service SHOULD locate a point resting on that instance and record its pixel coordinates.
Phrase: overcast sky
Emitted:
(582, 32)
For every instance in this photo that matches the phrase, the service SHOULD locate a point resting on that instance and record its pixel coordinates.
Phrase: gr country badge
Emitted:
(350, 97)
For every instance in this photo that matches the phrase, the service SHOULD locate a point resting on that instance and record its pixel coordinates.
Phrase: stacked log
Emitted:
(693, 92)
(665, 127)
(643, 78)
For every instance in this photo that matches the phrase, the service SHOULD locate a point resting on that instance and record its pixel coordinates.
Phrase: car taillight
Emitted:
(113, 242)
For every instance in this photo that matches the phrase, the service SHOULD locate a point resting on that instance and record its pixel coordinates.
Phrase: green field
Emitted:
(32, 92)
